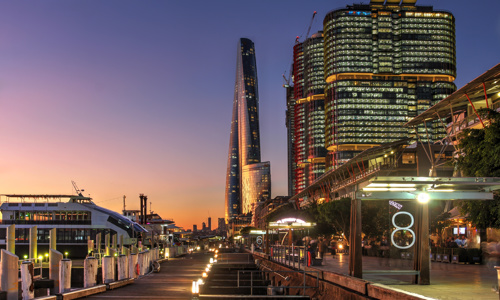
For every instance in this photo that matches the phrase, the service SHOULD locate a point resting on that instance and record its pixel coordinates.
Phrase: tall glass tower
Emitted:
(385, 62)
(308, 112)
(244, 142)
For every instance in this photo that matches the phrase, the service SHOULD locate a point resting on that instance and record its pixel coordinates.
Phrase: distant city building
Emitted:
(385, 63)
(195, 228)
(209, 224)
(244, 143)
(308, 135)
(203, 226)
(221, 227)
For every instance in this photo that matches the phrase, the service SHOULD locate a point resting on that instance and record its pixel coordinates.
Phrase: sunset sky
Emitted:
(129, 97)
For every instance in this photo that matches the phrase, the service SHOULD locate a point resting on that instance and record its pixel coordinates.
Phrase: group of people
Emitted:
(455, 242)
(316, 248)
(373, 246)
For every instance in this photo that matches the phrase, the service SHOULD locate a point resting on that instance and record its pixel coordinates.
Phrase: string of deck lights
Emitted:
(195, 289)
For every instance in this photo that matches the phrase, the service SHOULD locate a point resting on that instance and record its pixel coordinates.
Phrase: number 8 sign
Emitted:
(402, 228)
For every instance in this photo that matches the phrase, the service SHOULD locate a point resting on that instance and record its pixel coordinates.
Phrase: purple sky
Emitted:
(129, 97)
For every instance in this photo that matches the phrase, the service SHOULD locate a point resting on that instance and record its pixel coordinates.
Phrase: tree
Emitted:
(375, 218)
(481, 158)
(333, 217)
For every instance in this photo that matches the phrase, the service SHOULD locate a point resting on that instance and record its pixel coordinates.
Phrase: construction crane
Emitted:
(297, 40)
(309, 29)
(77, 190)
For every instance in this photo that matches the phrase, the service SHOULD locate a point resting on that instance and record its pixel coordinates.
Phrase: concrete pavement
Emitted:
(448, 281)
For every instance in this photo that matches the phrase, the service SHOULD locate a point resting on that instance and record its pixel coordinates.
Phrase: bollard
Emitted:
(122, 262)
(107, 243)
(90, 265)
(27, 281)
(133, 266)
(64, 276)
(108, 269)
(110, 251)
(98, 242)
(33, 243)
(148, 262)
(121, 241)
(53, 238)
(55, 258)
(140, 262)
(90, 245)
(11, 239)
(113, 241)
(9, 278)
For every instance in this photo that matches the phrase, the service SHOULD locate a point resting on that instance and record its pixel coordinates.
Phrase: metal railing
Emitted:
(292, 256)
(287, 278)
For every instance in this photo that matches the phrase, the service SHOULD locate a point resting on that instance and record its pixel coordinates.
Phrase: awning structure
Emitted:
(291, 223)
(475, 93)
(434, 188)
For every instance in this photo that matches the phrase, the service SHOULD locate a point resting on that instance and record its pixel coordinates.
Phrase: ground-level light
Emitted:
(195, 289)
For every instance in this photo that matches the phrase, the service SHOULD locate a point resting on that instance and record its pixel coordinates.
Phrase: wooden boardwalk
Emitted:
(174, 280)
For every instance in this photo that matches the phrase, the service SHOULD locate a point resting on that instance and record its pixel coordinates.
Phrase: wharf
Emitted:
(448, 281)
(174, 281)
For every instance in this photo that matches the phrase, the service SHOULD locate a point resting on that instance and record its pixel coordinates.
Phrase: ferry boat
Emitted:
(75, 219)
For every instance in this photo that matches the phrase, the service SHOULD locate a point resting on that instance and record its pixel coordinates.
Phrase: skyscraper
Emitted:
(290, 127)
(382, 64)
(244, 142)
(308, 112)
(385, 62)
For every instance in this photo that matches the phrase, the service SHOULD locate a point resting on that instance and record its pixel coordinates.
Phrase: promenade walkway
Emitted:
(448, 281)
(174, 280)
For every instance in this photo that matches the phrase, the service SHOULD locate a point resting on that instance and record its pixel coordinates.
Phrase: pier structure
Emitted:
(130, 262)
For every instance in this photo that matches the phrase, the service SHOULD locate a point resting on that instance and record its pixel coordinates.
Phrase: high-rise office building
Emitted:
(244, 143)
(290, 127)
(308, 138)
(385, 62)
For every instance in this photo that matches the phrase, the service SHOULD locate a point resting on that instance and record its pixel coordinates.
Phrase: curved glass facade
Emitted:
(244, 143)
(383, 66)
(256, 185)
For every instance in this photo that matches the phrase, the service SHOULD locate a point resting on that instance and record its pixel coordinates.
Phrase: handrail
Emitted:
(252, 286)
(286, 278)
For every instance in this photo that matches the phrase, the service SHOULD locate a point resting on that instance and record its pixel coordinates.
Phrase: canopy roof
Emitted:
(437, 188)
(458, 100)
